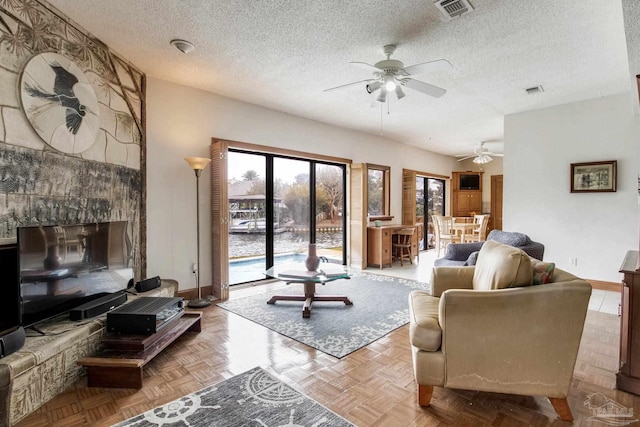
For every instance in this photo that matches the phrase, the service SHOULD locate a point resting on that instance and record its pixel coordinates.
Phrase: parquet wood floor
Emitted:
(373, 386)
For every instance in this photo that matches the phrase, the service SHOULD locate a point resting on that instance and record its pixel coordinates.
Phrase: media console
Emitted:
(121, 363)
(47, 364)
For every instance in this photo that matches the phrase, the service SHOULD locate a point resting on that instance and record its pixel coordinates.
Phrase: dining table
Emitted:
(463, 228)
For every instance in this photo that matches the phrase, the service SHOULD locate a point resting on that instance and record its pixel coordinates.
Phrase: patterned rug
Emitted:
(253, 398)
(379, 306)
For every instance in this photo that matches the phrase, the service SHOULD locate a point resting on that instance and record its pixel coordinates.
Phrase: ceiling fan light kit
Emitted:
(372, 87)
(482, 159)
(480, 155)
(390, 74)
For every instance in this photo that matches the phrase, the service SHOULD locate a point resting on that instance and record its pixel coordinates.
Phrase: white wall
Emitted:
(181, 122)
(595, 228)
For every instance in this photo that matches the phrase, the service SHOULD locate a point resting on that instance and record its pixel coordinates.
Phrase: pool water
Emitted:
(250, 269)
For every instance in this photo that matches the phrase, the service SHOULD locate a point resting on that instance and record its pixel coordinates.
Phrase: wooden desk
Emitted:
(380, 239)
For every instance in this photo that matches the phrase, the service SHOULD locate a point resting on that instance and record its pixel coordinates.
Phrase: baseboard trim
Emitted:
(193, 292)
(605, 286)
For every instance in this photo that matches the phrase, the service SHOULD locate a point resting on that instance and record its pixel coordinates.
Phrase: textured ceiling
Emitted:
(282, 54)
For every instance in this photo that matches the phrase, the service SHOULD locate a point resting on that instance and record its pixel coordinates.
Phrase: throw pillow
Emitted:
(542, 271)
(473, 258)
(501, 266)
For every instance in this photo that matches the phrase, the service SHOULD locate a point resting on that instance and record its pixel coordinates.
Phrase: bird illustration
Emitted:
(62, 95)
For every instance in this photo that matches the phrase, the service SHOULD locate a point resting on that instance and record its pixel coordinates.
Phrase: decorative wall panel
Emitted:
(41, 180)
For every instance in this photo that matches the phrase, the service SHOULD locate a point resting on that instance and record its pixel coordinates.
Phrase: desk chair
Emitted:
(402, 246)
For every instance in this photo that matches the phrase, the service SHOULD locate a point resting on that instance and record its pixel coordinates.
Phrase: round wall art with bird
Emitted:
(60, 103)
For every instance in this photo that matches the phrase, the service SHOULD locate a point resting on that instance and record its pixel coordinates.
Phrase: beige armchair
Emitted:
(484, 328)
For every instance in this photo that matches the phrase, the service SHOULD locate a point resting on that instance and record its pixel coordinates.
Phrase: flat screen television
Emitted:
(64, 266)
(469, 181)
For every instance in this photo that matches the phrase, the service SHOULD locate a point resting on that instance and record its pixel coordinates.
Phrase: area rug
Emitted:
(253, 398)
(380, 305)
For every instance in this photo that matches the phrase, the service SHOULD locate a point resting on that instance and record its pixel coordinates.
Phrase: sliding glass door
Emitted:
(330, 184)
(292, 202)
(277, 205)
(429, 200)
(247, 199)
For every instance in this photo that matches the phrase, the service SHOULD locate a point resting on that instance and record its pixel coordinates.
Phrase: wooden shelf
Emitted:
(121, 365)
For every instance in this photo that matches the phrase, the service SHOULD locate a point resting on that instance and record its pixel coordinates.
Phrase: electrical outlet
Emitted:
(574, 261)
(194, 268)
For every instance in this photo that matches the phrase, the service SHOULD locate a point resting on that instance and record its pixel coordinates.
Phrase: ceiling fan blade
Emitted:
(366, 66)
(423, 87)
(427, 67)
(349, 84)
(495, 154)
(465, 158)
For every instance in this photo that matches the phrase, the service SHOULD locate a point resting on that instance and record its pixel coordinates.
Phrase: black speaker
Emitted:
(148, 284)
(12, 342)
(98, 306)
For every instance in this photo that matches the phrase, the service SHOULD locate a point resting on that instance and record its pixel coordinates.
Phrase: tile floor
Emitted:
(602, 301)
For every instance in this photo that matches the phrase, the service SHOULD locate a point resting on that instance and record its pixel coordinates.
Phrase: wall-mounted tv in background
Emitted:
(469, 181)
(64, 266)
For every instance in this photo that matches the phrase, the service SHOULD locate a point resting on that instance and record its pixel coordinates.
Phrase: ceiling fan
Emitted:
(482, 155)
(389, 75)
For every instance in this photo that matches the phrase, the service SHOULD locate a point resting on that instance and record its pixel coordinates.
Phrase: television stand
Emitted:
(121, 363)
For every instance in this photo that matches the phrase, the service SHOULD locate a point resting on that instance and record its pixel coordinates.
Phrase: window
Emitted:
(378, 190)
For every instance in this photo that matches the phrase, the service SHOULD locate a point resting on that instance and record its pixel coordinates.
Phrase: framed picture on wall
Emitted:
(593, 177)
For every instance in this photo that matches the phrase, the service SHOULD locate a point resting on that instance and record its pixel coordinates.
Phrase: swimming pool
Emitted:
(249, 269)
(244, 270)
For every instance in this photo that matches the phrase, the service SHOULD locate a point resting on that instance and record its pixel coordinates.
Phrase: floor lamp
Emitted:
(198, 164)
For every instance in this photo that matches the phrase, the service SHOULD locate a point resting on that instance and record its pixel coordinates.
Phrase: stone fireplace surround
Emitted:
(45, 184)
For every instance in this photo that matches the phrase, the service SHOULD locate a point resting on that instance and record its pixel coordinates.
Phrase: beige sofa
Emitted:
(485, 328)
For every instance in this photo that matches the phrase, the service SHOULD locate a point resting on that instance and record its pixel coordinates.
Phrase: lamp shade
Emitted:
(197, 163)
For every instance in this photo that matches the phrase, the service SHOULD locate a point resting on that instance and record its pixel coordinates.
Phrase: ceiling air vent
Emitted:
(453, 8)
(533, 90)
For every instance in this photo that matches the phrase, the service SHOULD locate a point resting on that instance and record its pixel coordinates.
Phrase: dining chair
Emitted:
(480, 231)
(402, 246)
(444, 233)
